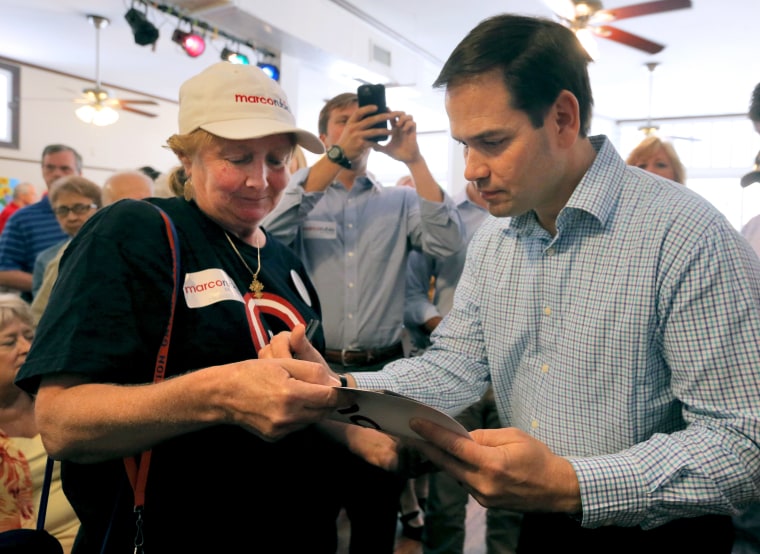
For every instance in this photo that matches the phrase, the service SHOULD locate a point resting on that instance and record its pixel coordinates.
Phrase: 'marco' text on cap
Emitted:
(256, 99)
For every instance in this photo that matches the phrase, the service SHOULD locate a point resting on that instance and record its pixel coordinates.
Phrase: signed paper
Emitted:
(390, 413)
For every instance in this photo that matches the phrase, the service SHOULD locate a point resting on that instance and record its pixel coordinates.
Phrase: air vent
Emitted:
(380, 55)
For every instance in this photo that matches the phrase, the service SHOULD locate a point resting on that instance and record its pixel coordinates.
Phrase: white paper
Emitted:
(390, 413)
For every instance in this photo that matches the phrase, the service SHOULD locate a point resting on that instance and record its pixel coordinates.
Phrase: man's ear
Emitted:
(565, 116)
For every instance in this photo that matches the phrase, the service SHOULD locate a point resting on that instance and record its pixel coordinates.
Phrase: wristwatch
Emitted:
(336, 155)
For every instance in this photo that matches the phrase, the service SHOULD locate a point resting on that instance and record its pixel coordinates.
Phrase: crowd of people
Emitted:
(592, 323)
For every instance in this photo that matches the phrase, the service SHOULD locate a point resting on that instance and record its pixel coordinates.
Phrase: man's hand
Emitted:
(503, 468)
(403, 145)
(355, 140)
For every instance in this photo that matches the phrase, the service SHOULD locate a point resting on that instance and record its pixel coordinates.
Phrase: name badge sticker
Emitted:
(209, 286)
(320, 230)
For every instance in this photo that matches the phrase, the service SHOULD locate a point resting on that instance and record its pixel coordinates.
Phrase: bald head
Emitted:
(127, 184)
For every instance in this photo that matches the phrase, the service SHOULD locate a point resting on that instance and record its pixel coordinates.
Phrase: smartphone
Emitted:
(374, 94)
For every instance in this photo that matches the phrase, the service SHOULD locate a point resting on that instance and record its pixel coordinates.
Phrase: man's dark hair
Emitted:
(754, 105)
(538, 59)
(55, 148)
(340, 101)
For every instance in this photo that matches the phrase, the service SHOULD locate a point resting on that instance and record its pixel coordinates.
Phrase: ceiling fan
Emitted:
(588, 17)
(649, 128)
(98, 105)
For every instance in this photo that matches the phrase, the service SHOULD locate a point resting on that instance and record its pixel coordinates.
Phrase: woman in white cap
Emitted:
(234, 460)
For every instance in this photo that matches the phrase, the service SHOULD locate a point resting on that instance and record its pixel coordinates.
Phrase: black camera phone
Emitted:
(374, 94)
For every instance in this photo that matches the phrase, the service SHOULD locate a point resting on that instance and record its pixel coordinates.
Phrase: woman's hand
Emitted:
(293, 344)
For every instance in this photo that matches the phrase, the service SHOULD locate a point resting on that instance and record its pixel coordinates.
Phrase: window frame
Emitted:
(12, 74)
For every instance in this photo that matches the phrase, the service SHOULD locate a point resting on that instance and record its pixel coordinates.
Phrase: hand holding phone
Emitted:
(374, 94)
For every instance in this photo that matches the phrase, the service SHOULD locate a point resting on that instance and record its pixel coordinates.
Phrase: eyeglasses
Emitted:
(79, 209)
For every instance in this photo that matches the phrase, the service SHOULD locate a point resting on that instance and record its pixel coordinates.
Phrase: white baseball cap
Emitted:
(239, 102)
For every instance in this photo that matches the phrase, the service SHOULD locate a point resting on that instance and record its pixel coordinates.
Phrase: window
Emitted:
(9, 100)
(716, 152)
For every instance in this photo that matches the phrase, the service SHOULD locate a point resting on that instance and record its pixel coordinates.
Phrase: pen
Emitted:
(311, 329)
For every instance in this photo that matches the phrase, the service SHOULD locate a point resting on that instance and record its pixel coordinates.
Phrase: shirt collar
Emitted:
(597, 192)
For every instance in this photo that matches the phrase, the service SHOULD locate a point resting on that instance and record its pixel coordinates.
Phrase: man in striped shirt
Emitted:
(34, 228)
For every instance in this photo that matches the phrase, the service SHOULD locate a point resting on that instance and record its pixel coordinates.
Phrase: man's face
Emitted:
(336, 123)
(516, 168)
(57, 165)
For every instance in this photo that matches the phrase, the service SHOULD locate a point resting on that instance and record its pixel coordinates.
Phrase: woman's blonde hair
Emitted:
(649, 147)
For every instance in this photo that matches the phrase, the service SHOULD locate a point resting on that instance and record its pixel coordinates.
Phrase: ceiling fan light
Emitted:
(587, 40)
(85, 113)
(97, 115)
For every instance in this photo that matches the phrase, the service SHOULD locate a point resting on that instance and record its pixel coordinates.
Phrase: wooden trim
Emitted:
(108, 85)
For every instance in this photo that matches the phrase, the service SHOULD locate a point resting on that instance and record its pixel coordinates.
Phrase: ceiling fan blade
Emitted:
(124, 101)
(136, 111)
(646, 8)
(624, 37)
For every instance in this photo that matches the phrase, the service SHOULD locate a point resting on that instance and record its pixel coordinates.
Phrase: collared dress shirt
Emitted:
(628, 343)
(419, 307)
(354, 244)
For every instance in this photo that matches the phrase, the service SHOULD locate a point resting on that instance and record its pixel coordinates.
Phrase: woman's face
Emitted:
(659, 164)
(72, 210)
(238, 182)
(15, 340)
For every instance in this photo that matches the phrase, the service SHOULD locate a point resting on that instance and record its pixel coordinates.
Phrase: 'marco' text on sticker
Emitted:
(200, 287)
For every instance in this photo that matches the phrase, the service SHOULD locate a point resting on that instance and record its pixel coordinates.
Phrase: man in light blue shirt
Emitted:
(616, 315)
(354, 236)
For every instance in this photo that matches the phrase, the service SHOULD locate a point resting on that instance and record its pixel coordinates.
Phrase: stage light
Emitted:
(193, 44)
(143, 30)
(270, 69)
(234, 57)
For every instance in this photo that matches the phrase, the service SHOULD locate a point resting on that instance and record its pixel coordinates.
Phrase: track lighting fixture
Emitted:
(143, 30)
(192, 43)
(234, 57)
(270, 69)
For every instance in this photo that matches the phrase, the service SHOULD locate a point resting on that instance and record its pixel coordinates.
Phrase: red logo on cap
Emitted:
(256, 99)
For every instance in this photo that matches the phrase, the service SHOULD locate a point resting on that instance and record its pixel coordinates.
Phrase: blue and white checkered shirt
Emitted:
(628, 343)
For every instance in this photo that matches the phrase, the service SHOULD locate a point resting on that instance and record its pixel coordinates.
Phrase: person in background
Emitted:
(747, 524)
(120, 185)
(23, 195)
(22, 454)
(127, 184)
(659, 157)
(413, 497)
(615, 314)
(235, 460)
(354, 236)
(446, 507)
(74, 200)
(751, 229)
(150, 172)
(33, 228)
(298, 161)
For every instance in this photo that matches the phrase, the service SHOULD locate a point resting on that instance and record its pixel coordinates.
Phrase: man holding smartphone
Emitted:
(354, 236)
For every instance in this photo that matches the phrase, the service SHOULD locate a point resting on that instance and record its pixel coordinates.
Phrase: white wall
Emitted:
(47, 116)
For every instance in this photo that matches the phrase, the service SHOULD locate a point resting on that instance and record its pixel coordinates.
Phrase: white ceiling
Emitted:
(709, 67)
